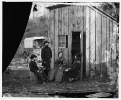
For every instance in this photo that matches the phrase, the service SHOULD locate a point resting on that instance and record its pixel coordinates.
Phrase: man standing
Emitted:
(46, 55)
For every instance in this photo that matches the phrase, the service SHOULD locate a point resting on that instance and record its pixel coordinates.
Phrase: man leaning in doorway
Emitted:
(46, 55)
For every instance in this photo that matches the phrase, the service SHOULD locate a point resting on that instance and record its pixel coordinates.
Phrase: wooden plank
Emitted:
(98, 41)
(92, 41)
(81, 41)
(87, 41)
(75, 18)
(66, 33)
(107, 48)
(70, 33)
(112, 43)
(56, 34)
(59, 24)
(62, 19)
(101, 47)
(59, 21)
(52, 37)
(63, 30)
(84, 42)
(66, 54)
(114, 32)
(111, 39)
(108, 34)
(104, 67)
(79, 18)
(66, 21)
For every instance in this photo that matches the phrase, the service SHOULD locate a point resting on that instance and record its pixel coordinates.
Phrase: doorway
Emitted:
(76, 46)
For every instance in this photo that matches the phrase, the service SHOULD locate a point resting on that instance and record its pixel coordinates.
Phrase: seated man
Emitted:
(73, 71)
(34, 70)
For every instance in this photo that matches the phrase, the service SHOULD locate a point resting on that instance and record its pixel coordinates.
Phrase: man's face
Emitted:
(34, 58)
(46, 44)
(60, 55)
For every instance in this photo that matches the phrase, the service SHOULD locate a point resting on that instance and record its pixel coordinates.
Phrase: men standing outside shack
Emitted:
(46, 55)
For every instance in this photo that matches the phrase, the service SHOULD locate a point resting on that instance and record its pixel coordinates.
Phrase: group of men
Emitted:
(46, 55)
(42, 73)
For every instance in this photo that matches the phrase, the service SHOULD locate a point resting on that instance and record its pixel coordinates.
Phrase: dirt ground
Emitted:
(16, 83)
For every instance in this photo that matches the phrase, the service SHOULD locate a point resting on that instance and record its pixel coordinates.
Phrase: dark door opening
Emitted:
(75, 43)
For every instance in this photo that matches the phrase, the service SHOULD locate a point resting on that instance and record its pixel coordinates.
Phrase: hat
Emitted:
(33, 56)
(46, 42)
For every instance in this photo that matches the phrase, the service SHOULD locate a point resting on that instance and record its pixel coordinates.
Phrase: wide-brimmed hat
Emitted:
(33, 56)
(46, 41)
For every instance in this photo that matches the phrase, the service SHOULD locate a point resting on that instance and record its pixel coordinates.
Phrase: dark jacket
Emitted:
(46, 53)
(75, 69)
(33, 66)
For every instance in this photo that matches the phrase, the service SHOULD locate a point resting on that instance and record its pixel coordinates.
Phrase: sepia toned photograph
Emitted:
(68, 50)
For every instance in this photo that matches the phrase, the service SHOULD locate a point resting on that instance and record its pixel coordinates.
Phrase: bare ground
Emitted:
(16, 83)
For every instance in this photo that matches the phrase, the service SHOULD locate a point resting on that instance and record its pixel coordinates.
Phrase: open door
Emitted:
(76, 47)
(79, 46)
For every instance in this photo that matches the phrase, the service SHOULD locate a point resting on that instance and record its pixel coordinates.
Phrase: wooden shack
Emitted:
(84, 29)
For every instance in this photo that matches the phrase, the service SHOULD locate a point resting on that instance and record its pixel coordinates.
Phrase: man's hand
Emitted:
(37, 71)
(44, 62)
(66, 70)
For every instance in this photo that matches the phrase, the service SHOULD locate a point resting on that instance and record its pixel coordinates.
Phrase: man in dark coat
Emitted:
(46, 55)
(35, 70)
(73, 71)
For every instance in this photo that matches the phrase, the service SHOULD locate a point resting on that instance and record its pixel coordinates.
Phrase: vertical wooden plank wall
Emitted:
(56, 34)
(87, 41)
(59, 24)
(98, 41)
(111, 36)
(66, 32)
(84, 41)
(63, 30)
(69, 33)
(94, 25)
(98, 38)
(107, 42)
(114, 42)
(82, 31)
(103, 67)
(52, 37)
(92, 37)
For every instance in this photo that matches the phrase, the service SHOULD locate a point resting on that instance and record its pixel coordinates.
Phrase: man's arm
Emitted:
(33, 67)
(42, 53)
(64, 62)
(50, 53)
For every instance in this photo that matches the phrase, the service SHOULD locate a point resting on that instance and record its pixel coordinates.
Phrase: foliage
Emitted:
(37, 27)
(112, 65)
(112, 8)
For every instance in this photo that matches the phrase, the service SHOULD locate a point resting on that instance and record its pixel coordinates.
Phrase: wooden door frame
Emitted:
(81, 53)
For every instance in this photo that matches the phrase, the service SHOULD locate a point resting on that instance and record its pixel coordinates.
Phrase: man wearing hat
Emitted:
(46, 55)
(35, 74)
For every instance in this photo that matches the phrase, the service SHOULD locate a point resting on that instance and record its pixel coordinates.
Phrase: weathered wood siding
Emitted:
(99, 32)
(52, 36)
(96, 31)
(64, 21)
